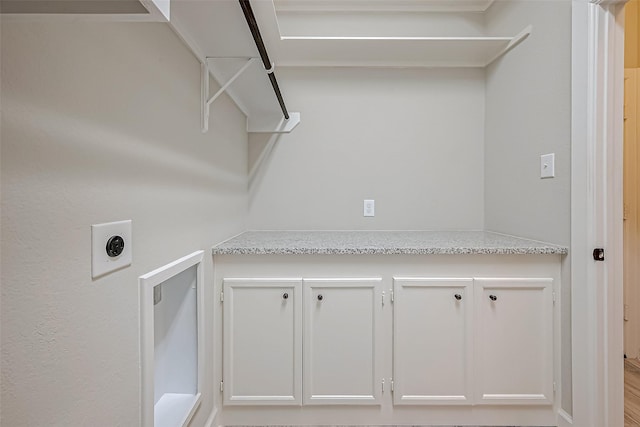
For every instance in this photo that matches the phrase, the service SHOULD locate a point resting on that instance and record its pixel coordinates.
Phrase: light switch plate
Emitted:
(369, 208)
(101, 262)
(547, 165)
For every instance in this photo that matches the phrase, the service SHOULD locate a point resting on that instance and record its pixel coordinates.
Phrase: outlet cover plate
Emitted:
(369, 208)
(101, 263)
(548, 166)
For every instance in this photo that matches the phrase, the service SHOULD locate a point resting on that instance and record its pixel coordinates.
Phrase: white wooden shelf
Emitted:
(396, 51)
(382, 5)
(336, 50)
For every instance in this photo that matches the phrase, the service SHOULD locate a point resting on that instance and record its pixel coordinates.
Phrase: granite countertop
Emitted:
(381, 243)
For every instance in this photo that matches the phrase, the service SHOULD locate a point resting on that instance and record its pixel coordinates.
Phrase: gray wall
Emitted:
(101, 122)
(412, 140)
(528, 113)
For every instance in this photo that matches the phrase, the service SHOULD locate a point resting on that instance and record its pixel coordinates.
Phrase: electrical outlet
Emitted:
(369, 208)
(110, 247)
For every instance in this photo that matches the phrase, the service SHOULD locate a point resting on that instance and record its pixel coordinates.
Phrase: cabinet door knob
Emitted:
(320, 297)
(493, 297)
(458, 297)
(285, 295)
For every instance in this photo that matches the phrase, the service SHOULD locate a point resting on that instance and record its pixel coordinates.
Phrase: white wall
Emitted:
(412, 139)
(101, 122)
(528, 113)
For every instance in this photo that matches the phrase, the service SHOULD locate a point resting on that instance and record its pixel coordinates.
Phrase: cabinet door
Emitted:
(342, 341)
(262, 342)
(432, 341)
(514, 341)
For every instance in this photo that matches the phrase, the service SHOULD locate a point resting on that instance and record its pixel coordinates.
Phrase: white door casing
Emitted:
(596, 218)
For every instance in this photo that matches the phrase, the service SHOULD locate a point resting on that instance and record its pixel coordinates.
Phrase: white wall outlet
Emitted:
(548, 165)
(110, 247)
(369, 208)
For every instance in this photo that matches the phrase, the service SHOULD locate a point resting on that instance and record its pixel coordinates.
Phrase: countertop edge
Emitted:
(528, 247)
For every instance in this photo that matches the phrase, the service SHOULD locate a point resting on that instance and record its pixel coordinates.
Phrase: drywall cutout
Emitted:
(171, 330)
(111, 247)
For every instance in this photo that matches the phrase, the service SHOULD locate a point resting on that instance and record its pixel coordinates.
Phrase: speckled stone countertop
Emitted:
(381, 243)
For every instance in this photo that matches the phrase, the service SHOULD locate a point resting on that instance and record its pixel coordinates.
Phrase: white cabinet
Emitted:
(425, 325)
(432, 341)
(463, 341)
(342, 342)
(514, 341)
(451, 333)
(262, 341)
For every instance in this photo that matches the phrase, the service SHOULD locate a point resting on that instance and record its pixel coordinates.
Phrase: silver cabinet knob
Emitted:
(320, 297)
(458, 297)
(493, 297)
(285, 295)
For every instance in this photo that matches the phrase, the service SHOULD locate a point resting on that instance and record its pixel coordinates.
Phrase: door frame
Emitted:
(596, 212)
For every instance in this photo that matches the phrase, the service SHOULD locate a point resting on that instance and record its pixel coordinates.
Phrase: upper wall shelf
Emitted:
(381, 33)
(382, 5)
(396, 51)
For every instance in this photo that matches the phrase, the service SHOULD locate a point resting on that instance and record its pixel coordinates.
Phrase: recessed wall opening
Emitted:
(171, 341)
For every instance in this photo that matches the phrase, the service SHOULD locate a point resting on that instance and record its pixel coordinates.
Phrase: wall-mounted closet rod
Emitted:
(255, 32)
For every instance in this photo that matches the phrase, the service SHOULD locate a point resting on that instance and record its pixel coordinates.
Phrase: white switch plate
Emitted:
(101, 263)
(548, 165)
(369, 208)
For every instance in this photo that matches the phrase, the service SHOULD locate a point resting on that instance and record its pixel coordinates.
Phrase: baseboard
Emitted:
(564, 419)
(212, 418)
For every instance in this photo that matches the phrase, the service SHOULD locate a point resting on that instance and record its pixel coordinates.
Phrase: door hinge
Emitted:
(221, 296)
(391, 385)
(624, 211)
(554, 297)
(383, 385)
(383, 298)
(598, 254)
(391, 296)
(157, 294)
(221, 386)
(554, 387)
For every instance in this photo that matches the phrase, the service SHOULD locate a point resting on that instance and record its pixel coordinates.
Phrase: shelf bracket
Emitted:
(206, 100)
(519, 38)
